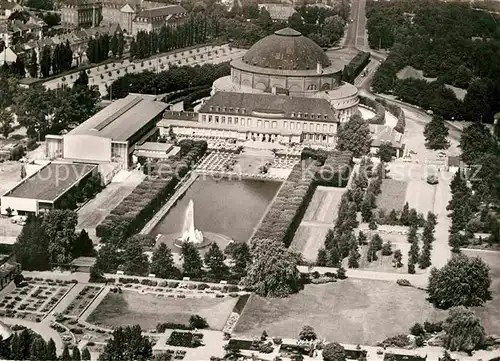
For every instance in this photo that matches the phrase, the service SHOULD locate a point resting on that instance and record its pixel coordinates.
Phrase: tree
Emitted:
(341, 273)
(354, 256)
(38, 349)
(417, 330)
(135, 262)
(371, 254)
(463, 328)
(133, 49)
(398, 257)
(59, 226)
(431, 219)
(214, 260)
(23, 171)
(83, 246)
(196, 321)
(45, 61)
(366, 211)
(75, 354)
(307, 333)
(372, 225)
(386, 152)
(6, 122)
(31, 246)
(127, 343)
(362, 239)
(322, 258)
(436, 133)
(475, 141)
(414, 252)
(355, 136)
(65, 354)
(333, 352)
(113, 45)
(455, 241)
(86, 354)
(387, 248)
(242, 258)
(274, 271)
(51, 350)
(405, 215)
(192, 262)
(162, 263)
(463, 281)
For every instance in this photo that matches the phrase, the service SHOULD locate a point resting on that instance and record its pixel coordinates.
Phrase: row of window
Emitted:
(268, 124)
(293, 115)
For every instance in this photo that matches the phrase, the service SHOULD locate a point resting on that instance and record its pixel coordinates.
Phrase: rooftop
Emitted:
(154, 147)
(83, 262)
(290, 107)
(51, 181)
(121, 119)
(286, 49)
(163, 11)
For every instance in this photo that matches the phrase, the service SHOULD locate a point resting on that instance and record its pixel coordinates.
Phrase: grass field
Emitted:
(130, 308)
(324, 205)
(308, 240)
(350, 311)
(420, 195)
(393, 195)
(490, 313)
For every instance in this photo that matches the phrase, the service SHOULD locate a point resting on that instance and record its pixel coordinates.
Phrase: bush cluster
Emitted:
(148, 197)
(379, 109)
(285, 214)
(195, 95)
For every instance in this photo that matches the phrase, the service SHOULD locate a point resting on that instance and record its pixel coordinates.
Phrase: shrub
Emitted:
(403, 282)
(196, 321)
(202, 286)
(417, 330)
(400, 341)
(433, 327)
(173, 284)
(419, 341)
(161, 327)
(183, 339)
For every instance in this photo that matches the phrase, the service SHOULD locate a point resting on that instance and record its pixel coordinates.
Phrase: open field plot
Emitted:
(308, 240)
(393, 195)
(420, 195)
(350, 311)
(324, 205)
(490, 313)
(129, 308)
(81, 301)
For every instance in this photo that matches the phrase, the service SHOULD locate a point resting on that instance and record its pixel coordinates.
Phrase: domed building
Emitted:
(284, 89)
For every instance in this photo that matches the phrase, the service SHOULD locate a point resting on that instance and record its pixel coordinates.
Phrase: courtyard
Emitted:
(349, 311)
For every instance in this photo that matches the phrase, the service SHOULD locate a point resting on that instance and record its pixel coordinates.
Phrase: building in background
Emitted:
(81, 13)
(153, 19)
(110, 136)
(7, 8)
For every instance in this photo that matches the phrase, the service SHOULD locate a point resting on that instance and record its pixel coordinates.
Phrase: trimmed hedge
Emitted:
(148, 197)
(194, 96)
(179, 95)
(286, 212)
(355, 66)
(379, 109)
(335, 172)
(397, 112)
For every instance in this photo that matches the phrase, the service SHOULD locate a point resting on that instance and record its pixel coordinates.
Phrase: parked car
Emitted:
(432, 179)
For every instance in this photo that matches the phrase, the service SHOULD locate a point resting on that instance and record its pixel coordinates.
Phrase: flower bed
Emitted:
(149, 196)
(81, 301)
(185, 339)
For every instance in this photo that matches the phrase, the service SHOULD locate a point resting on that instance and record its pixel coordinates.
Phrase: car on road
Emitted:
(432, 179)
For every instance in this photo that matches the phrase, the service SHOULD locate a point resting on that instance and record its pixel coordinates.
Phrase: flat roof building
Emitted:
(43, 190)
(109, 136)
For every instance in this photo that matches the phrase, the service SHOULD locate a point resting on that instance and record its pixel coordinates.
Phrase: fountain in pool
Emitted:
(189, 233)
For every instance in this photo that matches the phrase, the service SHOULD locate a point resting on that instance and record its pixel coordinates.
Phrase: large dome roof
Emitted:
(286, 49)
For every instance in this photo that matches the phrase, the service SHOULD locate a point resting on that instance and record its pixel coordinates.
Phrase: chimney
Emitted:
(319, 68)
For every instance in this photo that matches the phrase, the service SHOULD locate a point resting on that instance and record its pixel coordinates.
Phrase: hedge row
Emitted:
(397, 112)
(130, 216)
(379, 109)
(336, 169)
(286, 212)
(355, 66)
(194, 96)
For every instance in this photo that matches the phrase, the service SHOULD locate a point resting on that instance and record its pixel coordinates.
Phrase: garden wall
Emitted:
(379, 109)
(397, 112)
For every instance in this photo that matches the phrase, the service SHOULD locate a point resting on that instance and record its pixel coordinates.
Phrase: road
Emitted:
(356, 30)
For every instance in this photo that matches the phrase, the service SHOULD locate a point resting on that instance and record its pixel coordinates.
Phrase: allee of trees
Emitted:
(436, 42)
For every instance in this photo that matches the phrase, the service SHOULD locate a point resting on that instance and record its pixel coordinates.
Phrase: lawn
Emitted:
(130, 308)
(308, 240)
(324, 205)
(420, 195)
(490, 313)
(350, 311)
(393, 195)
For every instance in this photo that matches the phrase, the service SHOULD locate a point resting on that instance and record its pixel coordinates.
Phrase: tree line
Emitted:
(430, 37)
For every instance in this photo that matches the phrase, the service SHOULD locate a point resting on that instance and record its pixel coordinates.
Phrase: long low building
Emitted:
(109, 136)
(44, 190)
